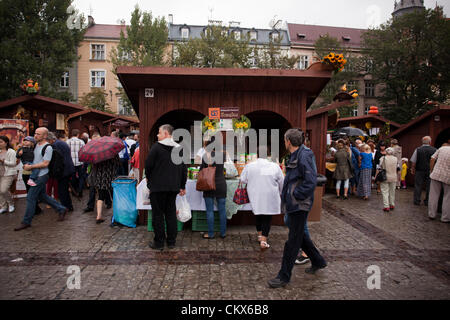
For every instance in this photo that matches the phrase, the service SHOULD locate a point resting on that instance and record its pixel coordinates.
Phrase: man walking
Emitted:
(69, 169)
(37, 192)
(440, 179)
(297, 199)
(124, 156)
(421, 169)
(164, 180)
(75, 144)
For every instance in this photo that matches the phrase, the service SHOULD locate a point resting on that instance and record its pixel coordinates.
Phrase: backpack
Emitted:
(56, 165)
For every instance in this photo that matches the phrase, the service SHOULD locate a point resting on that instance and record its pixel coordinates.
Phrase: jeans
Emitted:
(38, 193)
(34, 173)
(298, 239)
(209, 203)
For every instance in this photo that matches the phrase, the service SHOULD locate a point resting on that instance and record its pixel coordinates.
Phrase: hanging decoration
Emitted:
(209, 127)
(373, 110)
(240, 126)
(335, 60)
(30, 86)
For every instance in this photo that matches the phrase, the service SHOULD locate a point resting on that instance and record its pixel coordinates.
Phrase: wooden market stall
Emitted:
(371, 123)
(179, 96)
(434, 123)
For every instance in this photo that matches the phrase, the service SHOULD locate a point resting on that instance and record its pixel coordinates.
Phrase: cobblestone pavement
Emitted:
(411, 251)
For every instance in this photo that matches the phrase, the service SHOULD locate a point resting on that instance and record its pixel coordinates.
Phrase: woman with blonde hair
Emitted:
(365, 176)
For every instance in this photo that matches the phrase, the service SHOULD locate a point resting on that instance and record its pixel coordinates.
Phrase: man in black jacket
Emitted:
(165, 180)
(421, 169)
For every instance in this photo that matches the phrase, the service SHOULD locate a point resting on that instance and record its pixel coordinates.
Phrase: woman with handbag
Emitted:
(8, 174)
(264, 181)
(343, 170)
(389, 164)
(219, 193)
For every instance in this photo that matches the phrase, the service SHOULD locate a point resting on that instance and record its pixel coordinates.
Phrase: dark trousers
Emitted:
(77, 180)
(91, 201)
(123, 168)
(25, 178)
(297, 239)
(63, 193)
(421, 178)
(263, 224)
(164, 209)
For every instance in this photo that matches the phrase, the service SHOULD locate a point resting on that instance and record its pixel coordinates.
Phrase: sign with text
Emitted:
(214, 113)
(229, 112)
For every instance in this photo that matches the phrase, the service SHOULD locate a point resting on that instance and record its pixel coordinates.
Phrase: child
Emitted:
(26, 155)
(404, 171)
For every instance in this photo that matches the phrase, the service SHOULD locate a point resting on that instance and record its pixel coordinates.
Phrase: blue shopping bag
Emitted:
(124, 201)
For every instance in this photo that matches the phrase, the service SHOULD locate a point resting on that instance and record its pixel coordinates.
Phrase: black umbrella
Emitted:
(349, 132)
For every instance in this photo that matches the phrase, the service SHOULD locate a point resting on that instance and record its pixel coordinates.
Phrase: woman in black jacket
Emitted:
(381, 152)
(220, 194)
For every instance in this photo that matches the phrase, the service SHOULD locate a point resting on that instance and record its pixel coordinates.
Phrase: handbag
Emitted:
(241, 195)
(206, 178)
(381, 176)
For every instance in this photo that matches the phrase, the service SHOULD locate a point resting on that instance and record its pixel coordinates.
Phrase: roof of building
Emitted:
(368, 117)
(306, 35)
(41, 102)
(195, 32)
(439, 108)
(104, 116)
(105, 31)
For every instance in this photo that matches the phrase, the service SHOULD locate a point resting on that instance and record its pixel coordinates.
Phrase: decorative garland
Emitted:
(337, 61)
(31, 86)
(242, 123)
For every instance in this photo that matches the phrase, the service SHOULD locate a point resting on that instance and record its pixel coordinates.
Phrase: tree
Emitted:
(36, 43)
(96, 99)
(322, 47)
(218, 48)
(410, 57)
(144, 45)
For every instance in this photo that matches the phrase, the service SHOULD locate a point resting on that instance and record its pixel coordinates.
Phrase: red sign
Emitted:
(214, 113)
(229, 112)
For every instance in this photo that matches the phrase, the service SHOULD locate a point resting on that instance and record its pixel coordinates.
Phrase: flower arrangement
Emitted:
(30, 86)
(208, 124)
(242, 123)
(335, 60)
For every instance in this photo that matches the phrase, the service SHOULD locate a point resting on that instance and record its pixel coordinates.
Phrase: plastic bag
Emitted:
(183, 209)
(230, 169)
(124, 202)
(143, 196)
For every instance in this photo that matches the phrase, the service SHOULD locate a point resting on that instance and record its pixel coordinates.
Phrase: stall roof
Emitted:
(225, 79)
(367, 118)
(43, 103)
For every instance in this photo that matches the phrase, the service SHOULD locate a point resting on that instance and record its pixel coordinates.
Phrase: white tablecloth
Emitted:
(196, 201)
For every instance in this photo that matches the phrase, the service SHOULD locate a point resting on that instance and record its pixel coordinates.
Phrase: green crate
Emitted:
(200, 223)
(150, 225)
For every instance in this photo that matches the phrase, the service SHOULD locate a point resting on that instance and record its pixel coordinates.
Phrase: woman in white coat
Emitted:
(8, 173)
(264, 185)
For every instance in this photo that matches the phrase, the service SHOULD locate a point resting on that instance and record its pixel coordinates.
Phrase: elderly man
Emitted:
(41, 162)
(440, 179)
(297, 199)
(421, 169)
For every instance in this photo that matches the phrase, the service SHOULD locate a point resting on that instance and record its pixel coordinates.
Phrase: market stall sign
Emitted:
(214, 113)
(229, 112)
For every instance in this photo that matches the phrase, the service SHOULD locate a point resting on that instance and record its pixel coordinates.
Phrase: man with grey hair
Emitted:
(297, 199)
(421, 169)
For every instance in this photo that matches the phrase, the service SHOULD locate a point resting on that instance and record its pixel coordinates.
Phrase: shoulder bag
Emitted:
(206, 178)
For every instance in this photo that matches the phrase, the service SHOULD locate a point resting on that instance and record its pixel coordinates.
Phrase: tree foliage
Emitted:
(95, 99)
(36, 43)
(411, 59)
(218, 48)
(143, 45)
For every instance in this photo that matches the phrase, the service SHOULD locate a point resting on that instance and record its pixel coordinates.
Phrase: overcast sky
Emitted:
(252, 13)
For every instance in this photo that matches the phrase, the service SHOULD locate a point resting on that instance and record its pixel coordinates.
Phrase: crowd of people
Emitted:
(52, 172)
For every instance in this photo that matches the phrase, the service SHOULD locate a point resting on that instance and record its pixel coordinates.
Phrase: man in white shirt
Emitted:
(75, 144)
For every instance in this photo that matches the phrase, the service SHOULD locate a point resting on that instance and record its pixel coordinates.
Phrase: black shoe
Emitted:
(276, 283)
(108, 206)
(88, 210)
(345, 198)
(98, 221)
(171, 246)
(155, 247)
(22, 226)
(425, 203)
(302, 260)
(416, 203)
(314, 269)
(62, 215)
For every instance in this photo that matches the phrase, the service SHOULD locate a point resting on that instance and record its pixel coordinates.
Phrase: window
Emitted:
(369, 66)
(303, 63)
(237, 35)
(366, 109)
(97, 51)
(370, 89)
(98, 78)
(65, 80)
(275, 36)
(119, 84)
(352, 85)
(185, 33)
(253, 35)
(125, 111)
(355, 111)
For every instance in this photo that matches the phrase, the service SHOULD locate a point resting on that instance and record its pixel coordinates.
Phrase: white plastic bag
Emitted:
(143, 196)
(183, 209)
(230, 169)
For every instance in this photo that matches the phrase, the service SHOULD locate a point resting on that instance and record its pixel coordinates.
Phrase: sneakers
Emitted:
(31, 183)
(3, 210)
(11, 208)
(302, 260)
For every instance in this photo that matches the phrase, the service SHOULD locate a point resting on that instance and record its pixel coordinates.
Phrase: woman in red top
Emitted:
(135, 164)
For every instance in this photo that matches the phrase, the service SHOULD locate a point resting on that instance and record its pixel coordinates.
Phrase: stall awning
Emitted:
(223, 79)
(43, 103)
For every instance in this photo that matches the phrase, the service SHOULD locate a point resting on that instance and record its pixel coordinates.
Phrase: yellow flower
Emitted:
(354, 95)
(245, 125)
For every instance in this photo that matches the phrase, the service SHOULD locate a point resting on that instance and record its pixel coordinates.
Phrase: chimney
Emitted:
(91, 21)
(170, 18)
